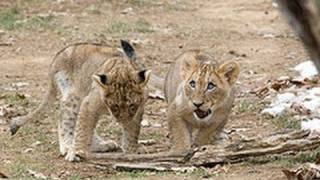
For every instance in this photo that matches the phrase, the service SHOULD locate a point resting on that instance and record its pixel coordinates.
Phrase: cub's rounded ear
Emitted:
(128, 49)
(188, 66)
(189, 63)
(229, 70)
(144, 76)
(101, 79)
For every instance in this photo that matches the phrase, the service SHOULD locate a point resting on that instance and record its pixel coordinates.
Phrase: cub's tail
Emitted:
(38, 113)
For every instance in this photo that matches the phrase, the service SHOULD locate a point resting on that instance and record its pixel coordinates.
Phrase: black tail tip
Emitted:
(128, 49)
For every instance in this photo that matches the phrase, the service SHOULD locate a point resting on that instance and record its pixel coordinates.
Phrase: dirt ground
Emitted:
(32, 31)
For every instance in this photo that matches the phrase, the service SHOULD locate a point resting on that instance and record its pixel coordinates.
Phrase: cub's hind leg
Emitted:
(69, 111)
(69, 107)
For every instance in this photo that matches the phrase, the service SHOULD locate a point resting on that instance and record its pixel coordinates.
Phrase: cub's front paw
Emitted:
(72, 156)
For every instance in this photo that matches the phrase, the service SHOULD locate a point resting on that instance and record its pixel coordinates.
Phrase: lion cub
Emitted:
(93, 80)
(200, 95)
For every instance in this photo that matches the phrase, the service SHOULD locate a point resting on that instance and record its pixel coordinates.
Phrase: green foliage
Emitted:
(244, 106)
(9, 18)
(143, 26)
(17, 170)
(37, 22)
(119, 27)
(17, 99)
(286, 121)
(300, 158)
(123, 28)
(12, 19)
(75, 177)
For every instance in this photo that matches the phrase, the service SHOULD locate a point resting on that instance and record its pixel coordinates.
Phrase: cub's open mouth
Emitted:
(202, 114)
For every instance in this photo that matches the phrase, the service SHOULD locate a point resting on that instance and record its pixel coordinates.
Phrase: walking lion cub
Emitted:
(91, 80)
(200, 94)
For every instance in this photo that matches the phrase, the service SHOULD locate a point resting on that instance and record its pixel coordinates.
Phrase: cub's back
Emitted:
(78, 62)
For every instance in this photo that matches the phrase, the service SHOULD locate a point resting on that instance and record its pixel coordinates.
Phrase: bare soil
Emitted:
(250, 32)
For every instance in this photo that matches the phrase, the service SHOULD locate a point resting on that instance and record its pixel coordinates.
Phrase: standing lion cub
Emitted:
(92, 80)
(200, 95)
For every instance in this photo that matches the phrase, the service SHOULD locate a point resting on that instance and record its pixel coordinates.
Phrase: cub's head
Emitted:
(207, 85)
(121, 82)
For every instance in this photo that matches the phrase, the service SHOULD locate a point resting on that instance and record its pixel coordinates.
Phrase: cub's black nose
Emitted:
(197, 104)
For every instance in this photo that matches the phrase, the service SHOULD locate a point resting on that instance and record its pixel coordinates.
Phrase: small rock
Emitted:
(37, 175)
(184, 169)
(145, 123)
(18, 50)
(274, 111)
(147, 142)
(28, 150)
(268, 36)
(20, 84)
(128, 11)
(157, 125)
(275, 5)
(2, 32)
(37, 143)
(306, 69)
(311, 124)
(137, 41)
(163, 110)
(283, 78)
(284, 98)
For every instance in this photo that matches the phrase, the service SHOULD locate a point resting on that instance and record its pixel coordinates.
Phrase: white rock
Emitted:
(157, 125)
(315, 91)
(284, 98)
(163, 110)
(274, 111)
(20, 84)
(275, 5)
(283, 78)
(306, 69)
(37, 143)
(28, 150)
(312, 105)
(184, 169)
(37, 175)
(128, 10)
(145, 123)
(147, 142)
(269, 36)
(311, 124)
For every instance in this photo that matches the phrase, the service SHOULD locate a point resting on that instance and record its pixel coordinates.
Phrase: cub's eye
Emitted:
(211, 86)
(114, 108)
(133, 108)
(192, 83)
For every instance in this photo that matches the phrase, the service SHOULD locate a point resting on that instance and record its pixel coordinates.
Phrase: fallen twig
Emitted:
(211, 155)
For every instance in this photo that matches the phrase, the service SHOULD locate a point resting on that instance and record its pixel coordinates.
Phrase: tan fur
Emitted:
(92, 80)
(183, 122)
(187, 130)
